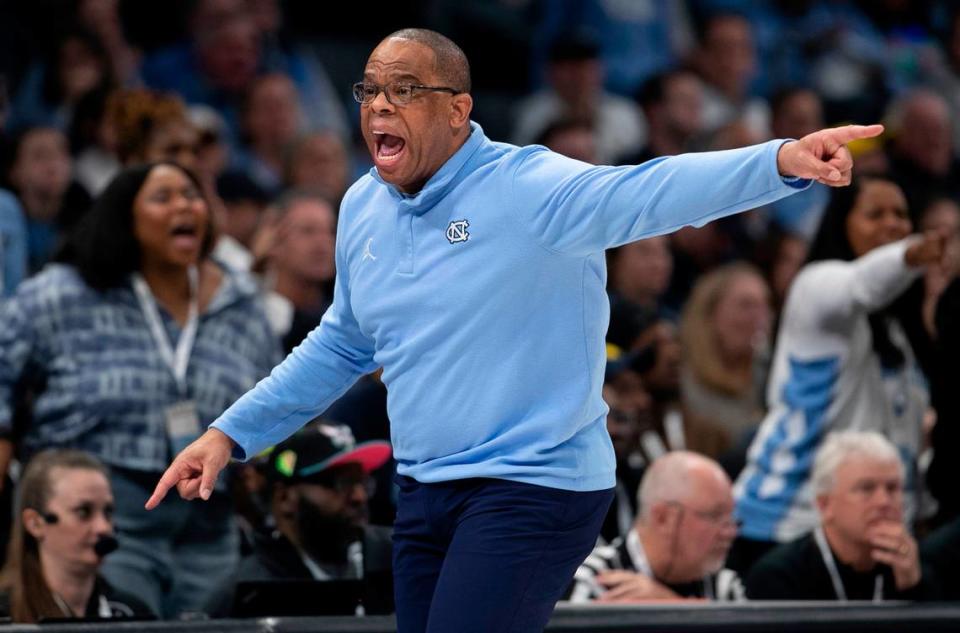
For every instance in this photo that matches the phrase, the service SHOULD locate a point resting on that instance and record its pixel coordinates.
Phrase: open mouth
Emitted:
(185, 234)
(388, 147)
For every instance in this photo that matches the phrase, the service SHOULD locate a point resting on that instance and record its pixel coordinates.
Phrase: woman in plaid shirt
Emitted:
(128, 349)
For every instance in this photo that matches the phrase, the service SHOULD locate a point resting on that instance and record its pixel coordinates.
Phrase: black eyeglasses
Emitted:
(398, 94)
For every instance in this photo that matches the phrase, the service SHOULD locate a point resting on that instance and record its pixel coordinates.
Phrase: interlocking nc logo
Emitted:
(457, 231)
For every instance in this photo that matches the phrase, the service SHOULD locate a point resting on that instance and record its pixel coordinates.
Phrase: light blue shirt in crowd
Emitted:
(13, 244)
(482, 297)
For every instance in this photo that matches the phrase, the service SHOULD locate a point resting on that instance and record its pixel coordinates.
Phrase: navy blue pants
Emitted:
(488, 555)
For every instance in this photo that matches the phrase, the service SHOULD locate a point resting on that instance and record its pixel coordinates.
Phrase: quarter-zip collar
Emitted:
(441, 182)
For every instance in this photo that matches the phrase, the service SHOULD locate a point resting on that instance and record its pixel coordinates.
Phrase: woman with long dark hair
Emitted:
(131, 346)
(842, 360)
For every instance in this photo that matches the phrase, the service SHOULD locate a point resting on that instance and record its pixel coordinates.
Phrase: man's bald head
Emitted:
(676, 477)
(450, 63)
(685, 520)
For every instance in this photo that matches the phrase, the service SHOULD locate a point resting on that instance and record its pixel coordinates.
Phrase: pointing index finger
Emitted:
(167, 481)
(847, 133)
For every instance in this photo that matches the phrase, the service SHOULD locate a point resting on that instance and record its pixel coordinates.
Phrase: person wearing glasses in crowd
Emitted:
(318, 486)
(861, 549)
(464, 267)
(678, 544)
(62, 531)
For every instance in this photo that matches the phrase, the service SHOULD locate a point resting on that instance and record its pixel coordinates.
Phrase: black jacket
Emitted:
(796, 571)
(274, 557)
(105, 603)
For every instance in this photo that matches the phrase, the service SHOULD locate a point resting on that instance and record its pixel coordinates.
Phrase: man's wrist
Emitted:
(780, 169)
(221, 438)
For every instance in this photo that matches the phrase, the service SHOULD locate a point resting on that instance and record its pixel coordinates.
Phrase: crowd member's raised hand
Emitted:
(929, 250)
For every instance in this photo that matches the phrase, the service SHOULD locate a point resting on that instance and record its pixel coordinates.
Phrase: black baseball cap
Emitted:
(320, 446)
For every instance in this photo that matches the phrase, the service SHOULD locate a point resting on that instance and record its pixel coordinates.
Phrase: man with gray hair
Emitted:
(678, 543)
(862, 549)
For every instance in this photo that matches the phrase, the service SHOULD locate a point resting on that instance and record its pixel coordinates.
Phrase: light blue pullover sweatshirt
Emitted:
(482, 297)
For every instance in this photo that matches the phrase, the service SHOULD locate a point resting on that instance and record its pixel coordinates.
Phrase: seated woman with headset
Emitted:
(63, 528)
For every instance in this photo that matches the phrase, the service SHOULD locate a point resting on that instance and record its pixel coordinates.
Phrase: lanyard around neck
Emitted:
(831, 566)
(175, 360)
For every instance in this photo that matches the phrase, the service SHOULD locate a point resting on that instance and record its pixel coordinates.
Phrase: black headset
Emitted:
(105, 544)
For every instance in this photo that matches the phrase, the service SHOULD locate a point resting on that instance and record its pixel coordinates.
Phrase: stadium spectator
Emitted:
(241, 213)
(637, 39)
(62, 532)
(102, 17)
(572, 138)
(318, 487)
(640, 274)
(228, 46)
(151, 126)
(696, 251)
(725, 337)
(576, 91)
(672, 103)
(93, 341)
(653, 343)
(678, 543)
(945, 437)
(630, 414)
(940, 552)
(922, 156)
(945, 76)
(782, 256)
(363, 408)
(300, 265)
(861, 548)
(319, 162)
(319, 98)
(93, 142)
(841, 361)
(271, 120)
(941, 215)
(213, 152)
(75, 65)
(41, 176)
(727, 61)
(13, 244)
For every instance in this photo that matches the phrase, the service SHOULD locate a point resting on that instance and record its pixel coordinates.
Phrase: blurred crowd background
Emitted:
(253, 99)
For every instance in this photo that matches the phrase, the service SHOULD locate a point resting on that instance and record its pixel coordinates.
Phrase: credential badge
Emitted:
(457, 231)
